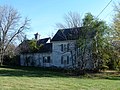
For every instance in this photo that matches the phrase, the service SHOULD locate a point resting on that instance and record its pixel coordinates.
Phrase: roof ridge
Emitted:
(71, 28)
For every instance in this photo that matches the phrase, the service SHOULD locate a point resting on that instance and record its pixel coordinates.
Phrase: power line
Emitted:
(104, 8)
(107, 14)
(102, 11)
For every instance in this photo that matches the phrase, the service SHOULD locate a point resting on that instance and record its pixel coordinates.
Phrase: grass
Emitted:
(29, 78)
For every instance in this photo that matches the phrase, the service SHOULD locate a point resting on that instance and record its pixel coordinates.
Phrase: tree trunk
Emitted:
(1, 56)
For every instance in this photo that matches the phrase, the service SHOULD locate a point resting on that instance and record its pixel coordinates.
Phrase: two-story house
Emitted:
(63, 51)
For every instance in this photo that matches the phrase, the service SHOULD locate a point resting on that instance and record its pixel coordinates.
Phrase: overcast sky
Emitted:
(45, 13)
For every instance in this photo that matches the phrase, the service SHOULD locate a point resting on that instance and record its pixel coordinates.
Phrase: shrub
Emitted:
(104, 67)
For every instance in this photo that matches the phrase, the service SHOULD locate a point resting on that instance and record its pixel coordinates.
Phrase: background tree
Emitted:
(116, 21)
(84, 41)
(93, 40)
(72, 19)
(115, 59)
(12, 28)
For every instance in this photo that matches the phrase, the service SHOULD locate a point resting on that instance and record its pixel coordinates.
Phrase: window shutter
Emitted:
(61, 47)
(67, 47)
(67, 59)
(48, 59)
(61, 59)
(43, 59)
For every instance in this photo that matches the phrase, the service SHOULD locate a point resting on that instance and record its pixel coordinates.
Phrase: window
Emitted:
(67, 59)
(62, 60)
(46, 59)
(64, 47)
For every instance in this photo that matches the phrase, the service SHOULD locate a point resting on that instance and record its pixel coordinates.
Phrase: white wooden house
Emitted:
(61, 51)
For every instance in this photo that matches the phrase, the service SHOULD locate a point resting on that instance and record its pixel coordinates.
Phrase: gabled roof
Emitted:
(44, 46)
(66, 34)
(42, 41)
(70, 34)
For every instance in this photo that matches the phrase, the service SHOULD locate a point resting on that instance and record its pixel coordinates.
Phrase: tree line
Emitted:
(105, 46)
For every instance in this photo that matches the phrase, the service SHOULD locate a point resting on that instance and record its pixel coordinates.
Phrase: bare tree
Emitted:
(116, 21)
(12, 28)
(72, 19)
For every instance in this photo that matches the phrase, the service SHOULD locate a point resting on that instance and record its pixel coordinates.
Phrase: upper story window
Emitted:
(64, 47)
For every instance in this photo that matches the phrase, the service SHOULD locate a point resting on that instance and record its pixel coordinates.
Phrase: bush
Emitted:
(104, 67)
(13, 61)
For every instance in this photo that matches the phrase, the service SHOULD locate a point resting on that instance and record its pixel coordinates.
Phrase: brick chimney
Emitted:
(37, 36)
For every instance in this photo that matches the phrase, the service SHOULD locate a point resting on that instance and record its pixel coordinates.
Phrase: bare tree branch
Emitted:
(12, 26)
(72, 19)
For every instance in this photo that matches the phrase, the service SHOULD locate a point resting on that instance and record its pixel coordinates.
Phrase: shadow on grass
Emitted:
(29, 72)
(48, 72)
(113, 78)
(105, 75)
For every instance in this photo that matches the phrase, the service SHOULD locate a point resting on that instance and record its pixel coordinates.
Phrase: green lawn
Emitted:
(28, 78)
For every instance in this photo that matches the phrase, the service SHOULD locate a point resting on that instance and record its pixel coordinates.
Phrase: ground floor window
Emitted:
(46, 59)
(65, 60)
